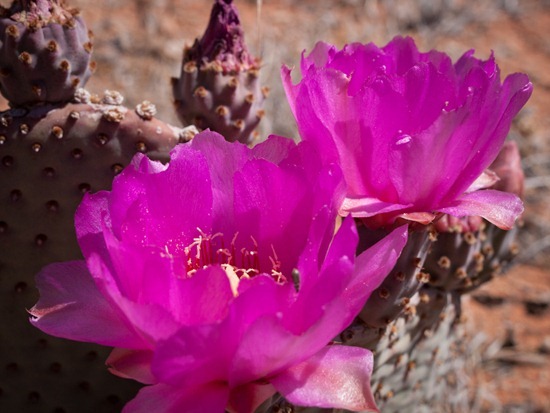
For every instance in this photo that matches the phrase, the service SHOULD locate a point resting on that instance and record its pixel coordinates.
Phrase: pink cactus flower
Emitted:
(412, 131)
(219, 280)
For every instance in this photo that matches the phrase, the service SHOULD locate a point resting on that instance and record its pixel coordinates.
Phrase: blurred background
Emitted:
(138, 46)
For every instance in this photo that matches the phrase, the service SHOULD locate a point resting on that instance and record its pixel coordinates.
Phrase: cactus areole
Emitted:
(45, 52)
(38, 13)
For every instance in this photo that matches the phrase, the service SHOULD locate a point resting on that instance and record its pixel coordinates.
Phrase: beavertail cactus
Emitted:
(421, 362)
(49, 157)
(45, 52)
(219, 86)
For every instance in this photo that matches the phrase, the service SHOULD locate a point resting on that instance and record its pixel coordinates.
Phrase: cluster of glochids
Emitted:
(58, 142)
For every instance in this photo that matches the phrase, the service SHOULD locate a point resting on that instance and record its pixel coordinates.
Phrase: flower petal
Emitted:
(162, 398)
(499, 208)
(194, 356)
(277, 341)
(132, 364)
(368, 207)
(151, 320)
(337, 377)
(71, 306)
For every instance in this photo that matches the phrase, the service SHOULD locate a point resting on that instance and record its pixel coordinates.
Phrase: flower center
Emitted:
(238, 259)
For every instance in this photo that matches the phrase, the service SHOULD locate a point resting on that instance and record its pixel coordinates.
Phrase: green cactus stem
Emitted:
(392, 298)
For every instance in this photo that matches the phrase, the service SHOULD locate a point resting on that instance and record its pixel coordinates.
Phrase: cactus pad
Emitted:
(45, 52)
(49, 157)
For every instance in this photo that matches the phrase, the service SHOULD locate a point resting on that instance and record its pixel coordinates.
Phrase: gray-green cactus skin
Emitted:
(392, 297)
(219, 86)
(46, 52)
(463, 258)
(50, 156)
(421, 361)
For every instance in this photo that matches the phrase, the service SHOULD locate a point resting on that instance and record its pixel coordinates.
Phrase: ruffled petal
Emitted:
(284, 195)
(71, 306)
(368, 207)
(90, 222)
(194, 356)
(132, 364)
(204, 298)
(275, 342)
(336, 377)
(150, 321)
(203, 353)
(142, 204)
(487, 179)
(499, 208)
(274, 149)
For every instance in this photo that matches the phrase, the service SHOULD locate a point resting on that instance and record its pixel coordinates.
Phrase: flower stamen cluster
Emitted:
(238, 263)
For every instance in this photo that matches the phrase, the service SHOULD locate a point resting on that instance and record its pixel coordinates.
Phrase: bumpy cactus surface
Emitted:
(421, 361)
(56, 143)
(46, 51)
(393, 296)
(219, 86)
(49, 157)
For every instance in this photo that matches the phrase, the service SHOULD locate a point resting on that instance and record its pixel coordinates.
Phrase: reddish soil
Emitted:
(512, 313)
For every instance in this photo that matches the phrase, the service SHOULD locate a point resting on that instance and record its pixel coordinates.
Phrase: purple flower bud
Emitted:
(508, 168)
(223, 41)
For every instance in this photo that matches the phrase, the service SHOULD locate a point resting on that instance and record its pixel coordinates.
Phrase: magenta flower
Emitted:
(219, 281)
(412, 131)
